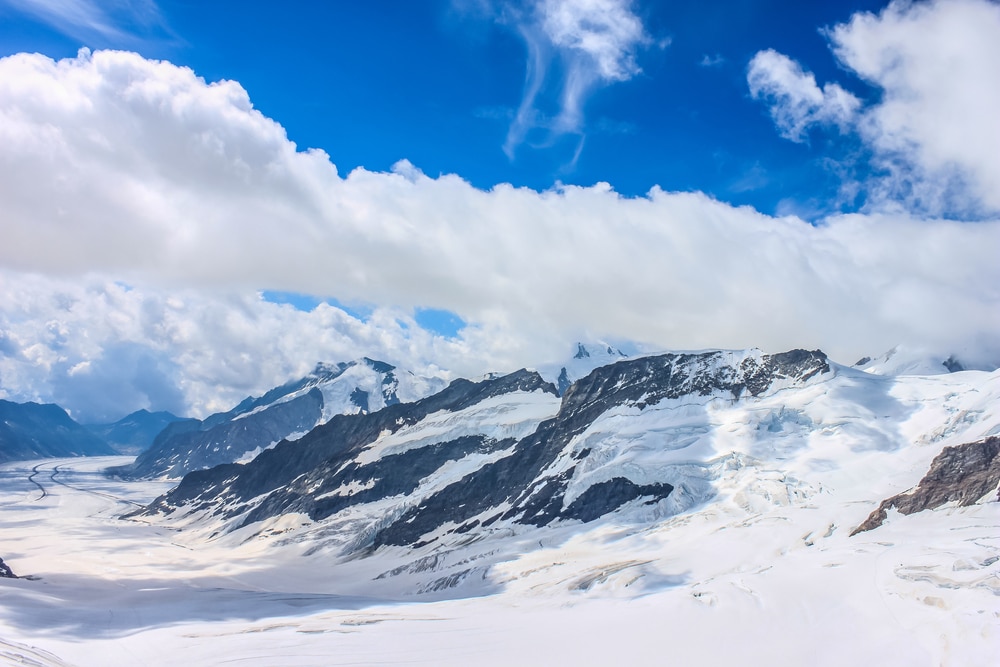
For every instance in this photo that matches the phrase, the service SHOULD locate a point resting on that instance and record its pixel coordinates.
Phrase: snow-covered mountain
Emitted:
(804, 511)
(903, 360)
(440, 490)
(286, 412)
(134, 432)
(33, 430)
(586, 357)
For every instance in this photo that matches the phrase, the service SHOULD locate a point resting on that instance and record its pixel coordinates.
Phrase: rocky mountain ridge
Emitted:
(504, 451)
(285, 412)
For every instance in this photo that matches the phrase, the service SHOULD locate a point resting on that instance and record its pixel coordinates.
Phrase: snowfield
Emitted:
(749, 562)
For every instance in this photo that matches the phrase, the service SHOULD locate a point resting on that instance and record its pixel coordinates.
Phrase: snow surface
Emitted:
(359, 374)
(904, 360)
(754, 567)
(586, 357)
(514, 415)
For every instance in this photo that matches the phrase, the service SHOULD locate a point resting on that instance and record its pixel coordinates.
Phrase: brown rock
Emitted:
(963, 473)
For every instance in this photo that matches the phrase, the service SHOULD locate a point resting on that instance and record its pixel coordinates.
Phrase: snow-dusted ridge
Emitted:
(285, 412)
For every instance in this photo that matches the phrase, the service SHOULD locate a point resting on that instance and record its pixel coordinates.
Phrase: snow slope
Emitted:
(749, 560)
(286, 412)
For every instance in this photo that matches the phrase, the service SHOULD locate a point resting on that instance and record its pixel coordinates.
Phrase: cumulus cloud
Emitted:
(103, 349)
(933, 131)
(796, 100)
(135, 170)
(586, 43)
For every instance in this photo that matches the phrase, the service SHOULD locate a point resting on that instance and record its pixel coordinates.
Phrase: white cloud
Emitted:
(87, 20)
(715, 60)
(594, 42)
(138, 170)
(933, 132)
(796, 100)
(935, 129)
(604, 31)
(103, 349)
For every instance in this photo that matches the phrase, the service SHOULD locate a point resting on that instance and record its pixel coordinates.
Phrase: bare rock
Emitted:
(963, 474)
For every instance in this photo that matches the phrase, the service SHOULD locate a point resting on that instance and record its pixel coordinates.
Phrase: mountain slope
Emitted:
(33, 430)
(456, 494)
(586, 357)
(692, 492)
(962, 474)
(135, 432)
(505, 451)
(288, 411)
(286, 472)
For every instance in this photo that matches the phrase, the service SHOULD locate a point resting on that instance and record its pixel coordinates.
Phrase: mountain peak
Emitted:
(906, 360)
(587, 357)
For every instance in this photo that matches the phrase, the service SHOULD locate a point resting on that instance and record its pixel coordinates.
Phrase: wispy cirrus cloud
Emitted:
(574, 47)
(120, 22)
(714, 60)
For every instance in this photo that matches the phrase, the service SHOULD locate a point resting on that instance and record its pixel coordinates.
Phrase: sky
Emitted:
(199, 201)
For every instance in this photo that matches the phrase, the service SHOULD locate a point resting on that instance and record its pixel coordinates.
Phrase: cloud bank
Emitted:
(119, 168)
(104, 349)
(933, 131)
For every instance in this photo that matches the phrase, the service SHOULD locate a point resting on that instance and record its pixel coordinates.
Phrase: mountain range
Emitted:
(286, 412)
(34, 430)
(440, 489)
(701, 507)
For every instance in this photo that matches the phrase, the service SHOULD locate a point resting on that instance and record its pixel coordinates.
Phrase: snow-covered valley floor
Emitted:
(775, 585)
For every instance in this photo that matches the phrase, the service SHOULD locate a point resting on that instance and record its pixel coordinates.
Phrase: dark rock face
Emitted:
(538, 500)
(608, 496)
(962, 474)
(5, 571)
(320, 474)
(953, 365)
(563, 383)
(287, 470)
(186, 447)
(31, 431)
(359, 397)
(135, 432)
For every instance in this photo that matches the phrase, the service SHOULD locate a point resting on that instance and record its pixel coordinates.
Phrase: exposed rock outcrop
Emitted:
(5, 571)
(963, 474)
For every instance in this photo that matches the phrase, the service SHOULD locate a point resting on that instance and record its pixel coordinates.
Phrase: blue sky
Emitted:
(437, 82)
(199, 201)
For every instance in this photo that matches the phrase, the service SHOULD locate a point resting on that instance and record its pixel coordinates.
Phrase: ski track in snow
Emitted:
(762, 572)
